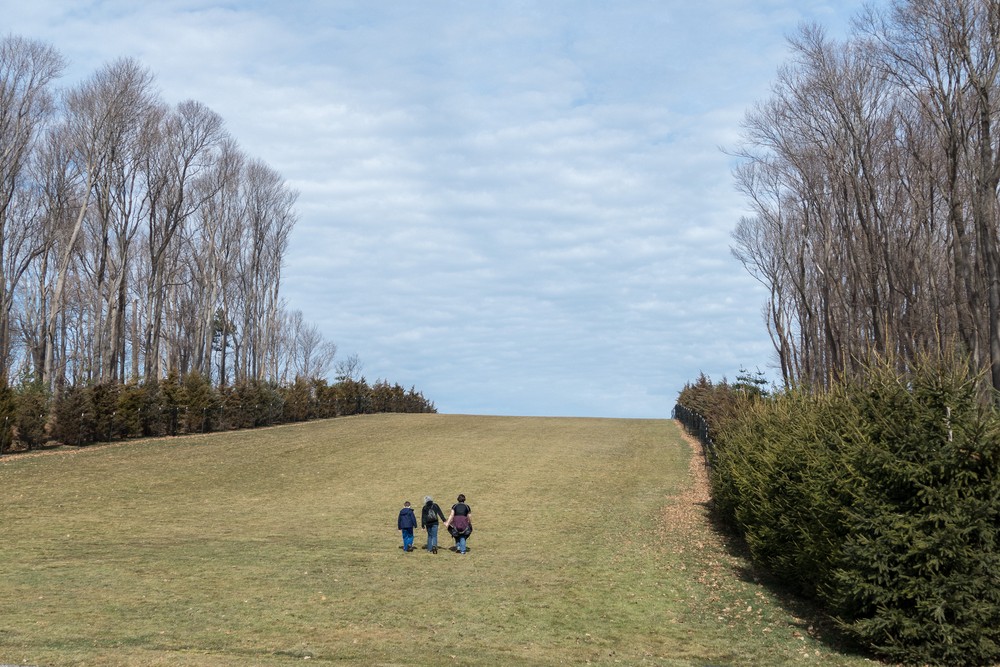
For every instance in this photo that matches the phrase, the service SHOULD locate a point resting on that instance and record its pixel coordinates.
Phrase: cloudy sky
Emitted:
(517, 207)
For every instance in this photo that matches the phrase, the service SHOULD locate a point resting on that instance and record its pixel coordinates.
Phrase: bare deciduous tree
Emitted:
(99, 114)
(872, 173)
(187, 148)
(136, 239)
(27, 69)
(309, 355)
(349, 369)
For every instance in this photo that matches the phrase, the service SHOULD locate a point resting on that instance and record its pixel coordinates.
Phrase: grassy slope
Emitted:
(274, 546)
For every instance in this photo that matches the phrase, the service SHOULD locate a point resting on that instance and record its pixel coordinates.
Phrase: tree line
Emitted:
(872, 172)
(141, 246)
(136, 237)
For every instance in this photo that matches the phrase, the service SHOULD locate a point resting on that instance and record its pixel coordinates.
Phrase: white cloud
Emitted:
(517, 207)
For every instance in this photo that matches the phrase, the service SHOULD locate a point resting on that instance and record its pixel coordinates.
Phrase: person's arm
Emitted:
(451, 515)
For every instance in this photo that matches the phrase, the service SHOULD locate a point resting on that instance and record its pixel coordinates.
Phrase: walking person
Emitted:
(459, 524)
(429, 516)
(407, 522)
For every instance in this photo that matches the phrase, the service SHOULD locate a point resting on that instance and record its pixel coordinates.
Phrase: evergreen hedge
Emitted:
(881, 498)
(82, 415)
(919, 573)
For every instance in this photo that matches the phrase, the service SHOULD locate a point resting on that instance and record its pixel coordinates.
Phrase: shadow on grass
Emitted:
(452, 549)
(810, 617)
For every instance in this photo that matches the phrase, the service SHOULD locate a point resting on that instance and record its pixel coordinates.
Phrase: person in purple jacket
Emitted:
(459, 524)
(407, 522)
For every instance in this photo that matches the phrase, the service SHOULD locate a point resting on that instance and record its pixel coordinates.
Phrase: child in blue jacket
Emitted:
(407, 522)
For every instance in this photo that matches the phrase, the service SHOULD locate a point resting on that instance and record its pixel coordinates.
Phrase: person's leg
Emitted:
(432, 537)
(407, 539)
(461, 545)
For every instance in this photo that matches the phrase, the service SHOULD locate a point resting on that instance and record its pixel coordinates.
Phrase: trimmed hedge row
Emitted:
(173, 406)
(881, 499)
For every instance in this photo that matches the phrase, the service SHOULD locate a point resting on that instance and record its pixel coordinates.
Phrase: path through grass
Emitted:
(279, 546)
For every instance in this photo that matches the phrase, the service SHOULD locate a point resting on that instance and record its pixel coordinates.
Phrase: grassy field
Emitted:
(279, 546)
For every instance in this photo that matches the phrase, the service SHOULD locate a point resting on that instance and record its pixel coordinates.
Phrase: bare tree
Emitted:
(349, 369)
(187, 148)
(120, 204)
(135, 236)
(846, 228)
(98, 115)
(308, 354)
(213, 245)
(27, 69)
(945, 57)
(269, 218)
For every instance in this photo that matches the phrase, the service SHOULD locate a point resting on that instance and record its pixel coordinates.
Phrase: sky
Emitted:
(517, 208)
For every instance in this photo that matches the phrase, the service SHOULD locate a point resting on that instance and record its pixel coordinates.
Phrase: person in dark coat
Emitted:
(407, 522)
(429, 519)
(459, 524)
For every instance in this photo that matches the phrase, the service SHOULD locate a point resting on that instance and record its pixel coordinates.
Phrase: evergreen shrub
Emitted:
(777, 478)
(30, 415)
(137, 410)
(8, 411)
(352, 397)
(201, 404)
(324, 400)
(169, 401)
(104, 405)
(882, 499)
(297, 403)
(919, 572)
(74, 417)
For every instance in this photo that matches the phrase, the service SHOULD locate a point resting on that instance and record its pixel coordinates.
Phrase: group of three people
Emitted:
(457, 523)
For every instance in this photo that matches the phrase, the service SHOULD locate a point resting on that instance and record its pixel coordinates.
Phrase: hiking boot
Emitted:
(434, 550)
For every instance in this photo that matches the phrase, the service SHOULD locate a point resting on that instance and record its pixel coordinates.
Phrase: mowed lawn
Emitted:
(279, 547)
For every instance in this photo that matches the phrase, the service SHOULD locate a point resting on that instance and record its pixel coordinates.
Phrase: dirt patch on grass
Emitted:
(686, 529)
(687, 514)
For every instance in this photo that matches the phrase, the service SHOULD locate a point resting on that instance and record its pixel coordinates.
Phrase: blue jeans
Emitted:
(407, 538)
(461, 545)
(432, 536)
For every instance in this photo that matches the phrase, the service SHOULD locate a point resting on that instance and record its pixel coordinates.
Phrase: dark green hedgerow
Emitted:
(82, 415)
(881, 499)
(920, 568)
(778, 480)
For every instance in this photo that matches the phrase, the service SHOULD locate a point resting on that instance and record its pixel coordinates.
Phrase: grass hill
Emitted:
(278, 546)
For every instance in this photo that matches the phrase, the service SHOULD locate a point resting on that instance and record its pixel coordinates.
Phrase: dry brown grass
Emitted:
(591, 546)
